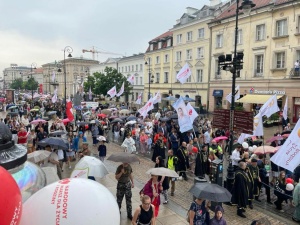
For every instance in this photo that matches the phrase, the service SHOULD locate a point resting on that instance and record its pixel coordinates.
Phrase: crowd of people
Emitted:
(159, 136)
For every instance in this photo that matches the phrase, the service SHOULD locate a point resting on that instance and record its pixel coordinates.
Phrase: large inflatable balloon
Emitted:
(72, 201)
(10, 199)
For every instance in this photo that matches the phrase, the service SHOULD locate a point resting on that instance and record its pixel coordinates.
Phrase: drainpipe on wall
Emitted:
(209, 69)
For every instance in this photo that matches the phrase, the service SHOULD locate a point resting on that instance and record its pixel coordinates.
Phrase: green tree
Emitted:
(17, 84)
(89, 83)
(31, 84)
(103, 82)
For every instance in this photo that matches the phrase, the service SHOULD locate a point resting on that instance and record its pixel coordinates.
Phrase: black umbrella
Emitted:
(123, 117)
(57, 133)
(174, 116)
(129, 118)
(211, 192)
(286, 132)
(164, 119)
(55, 142)
(123, 157)
(117, 120)
(12, 113)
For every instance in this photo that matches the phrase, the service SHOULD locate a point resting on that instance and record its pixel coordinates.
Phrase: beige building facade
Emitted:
(269, 39)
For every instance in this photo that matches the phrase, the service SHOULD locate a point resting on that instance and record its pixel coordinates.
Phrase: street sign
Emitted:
(243, 121)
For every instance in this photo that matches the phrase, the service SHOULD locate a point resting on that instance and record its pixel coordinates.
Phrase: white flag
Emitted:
(130, 79)
(146, 108)
(112, 92)
(184, 121)
(242, 137)
(157, 98)
(53, 76)
(139, 99)
(285, 109)
(90, 94)
(121, 90)
(191, 112)
(184, 73)
(258, 129)
(54, 98)
(237, 94)
(288, 156)
(269, 107)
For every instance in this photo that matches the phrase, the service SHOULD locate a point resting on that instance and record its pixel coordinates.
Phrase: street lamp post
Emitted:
(69, 50)
(150, 78)
(33, 66)
(234, 66)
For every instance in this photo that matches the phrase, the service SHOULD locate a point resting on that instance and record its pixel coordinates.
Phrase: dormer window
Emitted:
(168, 42)
(159, 45)
(151, 47)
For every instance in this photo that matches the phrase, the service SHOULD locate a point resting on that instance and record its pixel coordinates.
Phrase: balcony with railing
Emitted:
(295, 73)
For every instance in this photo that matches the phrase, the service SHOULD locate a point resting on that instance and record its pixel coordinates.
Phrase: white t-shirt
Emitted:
(235, 157)
(54, 157)
(60, 154)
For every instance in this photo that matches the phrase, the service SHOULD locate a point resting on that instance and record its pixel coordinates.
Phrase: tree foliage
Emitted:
(100, 83)
(30, 84)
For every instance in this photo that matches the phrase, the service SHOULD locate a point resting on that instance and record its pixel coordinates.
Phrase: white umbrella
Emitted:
(130, 122)
(96, 167)
(38, 156)
(161, 171)
(101, 138)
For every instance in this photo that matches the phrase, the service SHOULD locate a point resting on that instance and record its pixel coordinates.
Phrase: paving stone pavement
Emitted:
(182, 199)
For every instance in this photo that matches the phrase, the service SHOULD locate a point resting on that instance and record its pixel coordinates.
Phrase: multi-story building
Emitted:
(14, 72)
(37, 74)
(110, 62)
(77, 70)
(133, 65)
(158, 72)
(269, 40)
(191, 45)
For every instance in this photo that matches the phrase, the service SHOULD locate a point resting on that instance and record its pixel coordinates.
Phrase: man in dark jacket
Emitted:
(183, 160)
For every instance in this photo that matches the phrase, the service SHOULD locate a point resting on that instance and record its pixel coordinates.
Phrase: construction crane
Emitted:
(93, 51)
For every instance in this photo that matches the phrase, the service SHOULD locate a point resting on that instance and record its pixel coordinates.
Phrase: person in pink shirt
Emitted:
(22, 136)
(143, 141)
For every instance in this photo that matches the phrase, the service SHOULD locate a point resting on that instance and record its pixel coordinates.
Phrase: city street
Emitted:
(180, 203)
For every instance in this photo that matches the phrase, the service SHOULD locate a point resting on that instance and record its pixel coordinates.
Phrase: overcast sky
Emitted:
(37, 31)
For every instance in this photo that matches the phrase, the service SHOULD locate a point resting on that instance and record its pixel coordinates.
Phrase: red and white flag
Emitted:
(146, 108)
(69, 110)
(121, 90)
(288, 156)
(191, 112)
(184, 73)
(130, 79)
(285, 109)
(112, 92)
(139, 99)
(270, 107)
(157, 98)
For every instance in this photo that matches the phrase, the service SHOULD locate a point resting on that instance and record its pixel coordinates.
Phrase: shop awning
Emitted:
(257, 99)
(218, 93)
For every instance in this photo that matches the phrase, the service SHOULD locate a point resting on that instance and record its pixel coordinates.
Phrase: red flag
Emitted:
(69, 111)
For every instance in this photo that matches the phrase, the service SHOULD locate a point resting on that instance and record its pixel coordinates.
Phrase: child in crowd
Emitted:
(102, 151)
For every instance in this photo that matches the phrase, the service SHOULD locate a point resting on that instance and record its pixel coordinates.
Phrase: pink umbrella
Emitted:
(285, 135)
(65, 121)
(38, 121)
(265, 150)
(217, 139)
(275, 138)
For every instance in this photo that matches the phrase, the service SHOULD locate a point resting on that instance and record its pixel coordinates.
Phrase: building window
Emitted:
(132, 68)
(189, 54)
(219, 41)
(157, 59)
(178, 56)
(260, 32)
(157, 77)
(136, 67)
(189, 80)
(177, 81)
(141, 80)
(200, 53)
(151, 47)
(122, 69)
(166, 77)
(199, 76)
(159, 45)
(136, 79)
(281, 28)
(201, 33)
(166, 58)
(280, 60)
(125, 68)
(179, 38)
(141, 67)
(240, 37)
(298, 25)
(217, 70)
(189, 36)
(259, 65)
(169, 42)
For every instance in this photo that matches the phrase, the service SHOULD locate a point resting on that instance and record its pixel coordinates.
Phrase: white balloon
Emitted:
(72, 201)
(245, 145)
(250, 149)
(254, 147)
(289, 187)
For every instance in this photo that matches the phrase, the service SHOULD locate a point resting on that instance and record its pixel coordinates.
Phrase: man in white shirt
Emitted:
(236, 157)
(207, 137)
(54, 162)
(157, 115)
